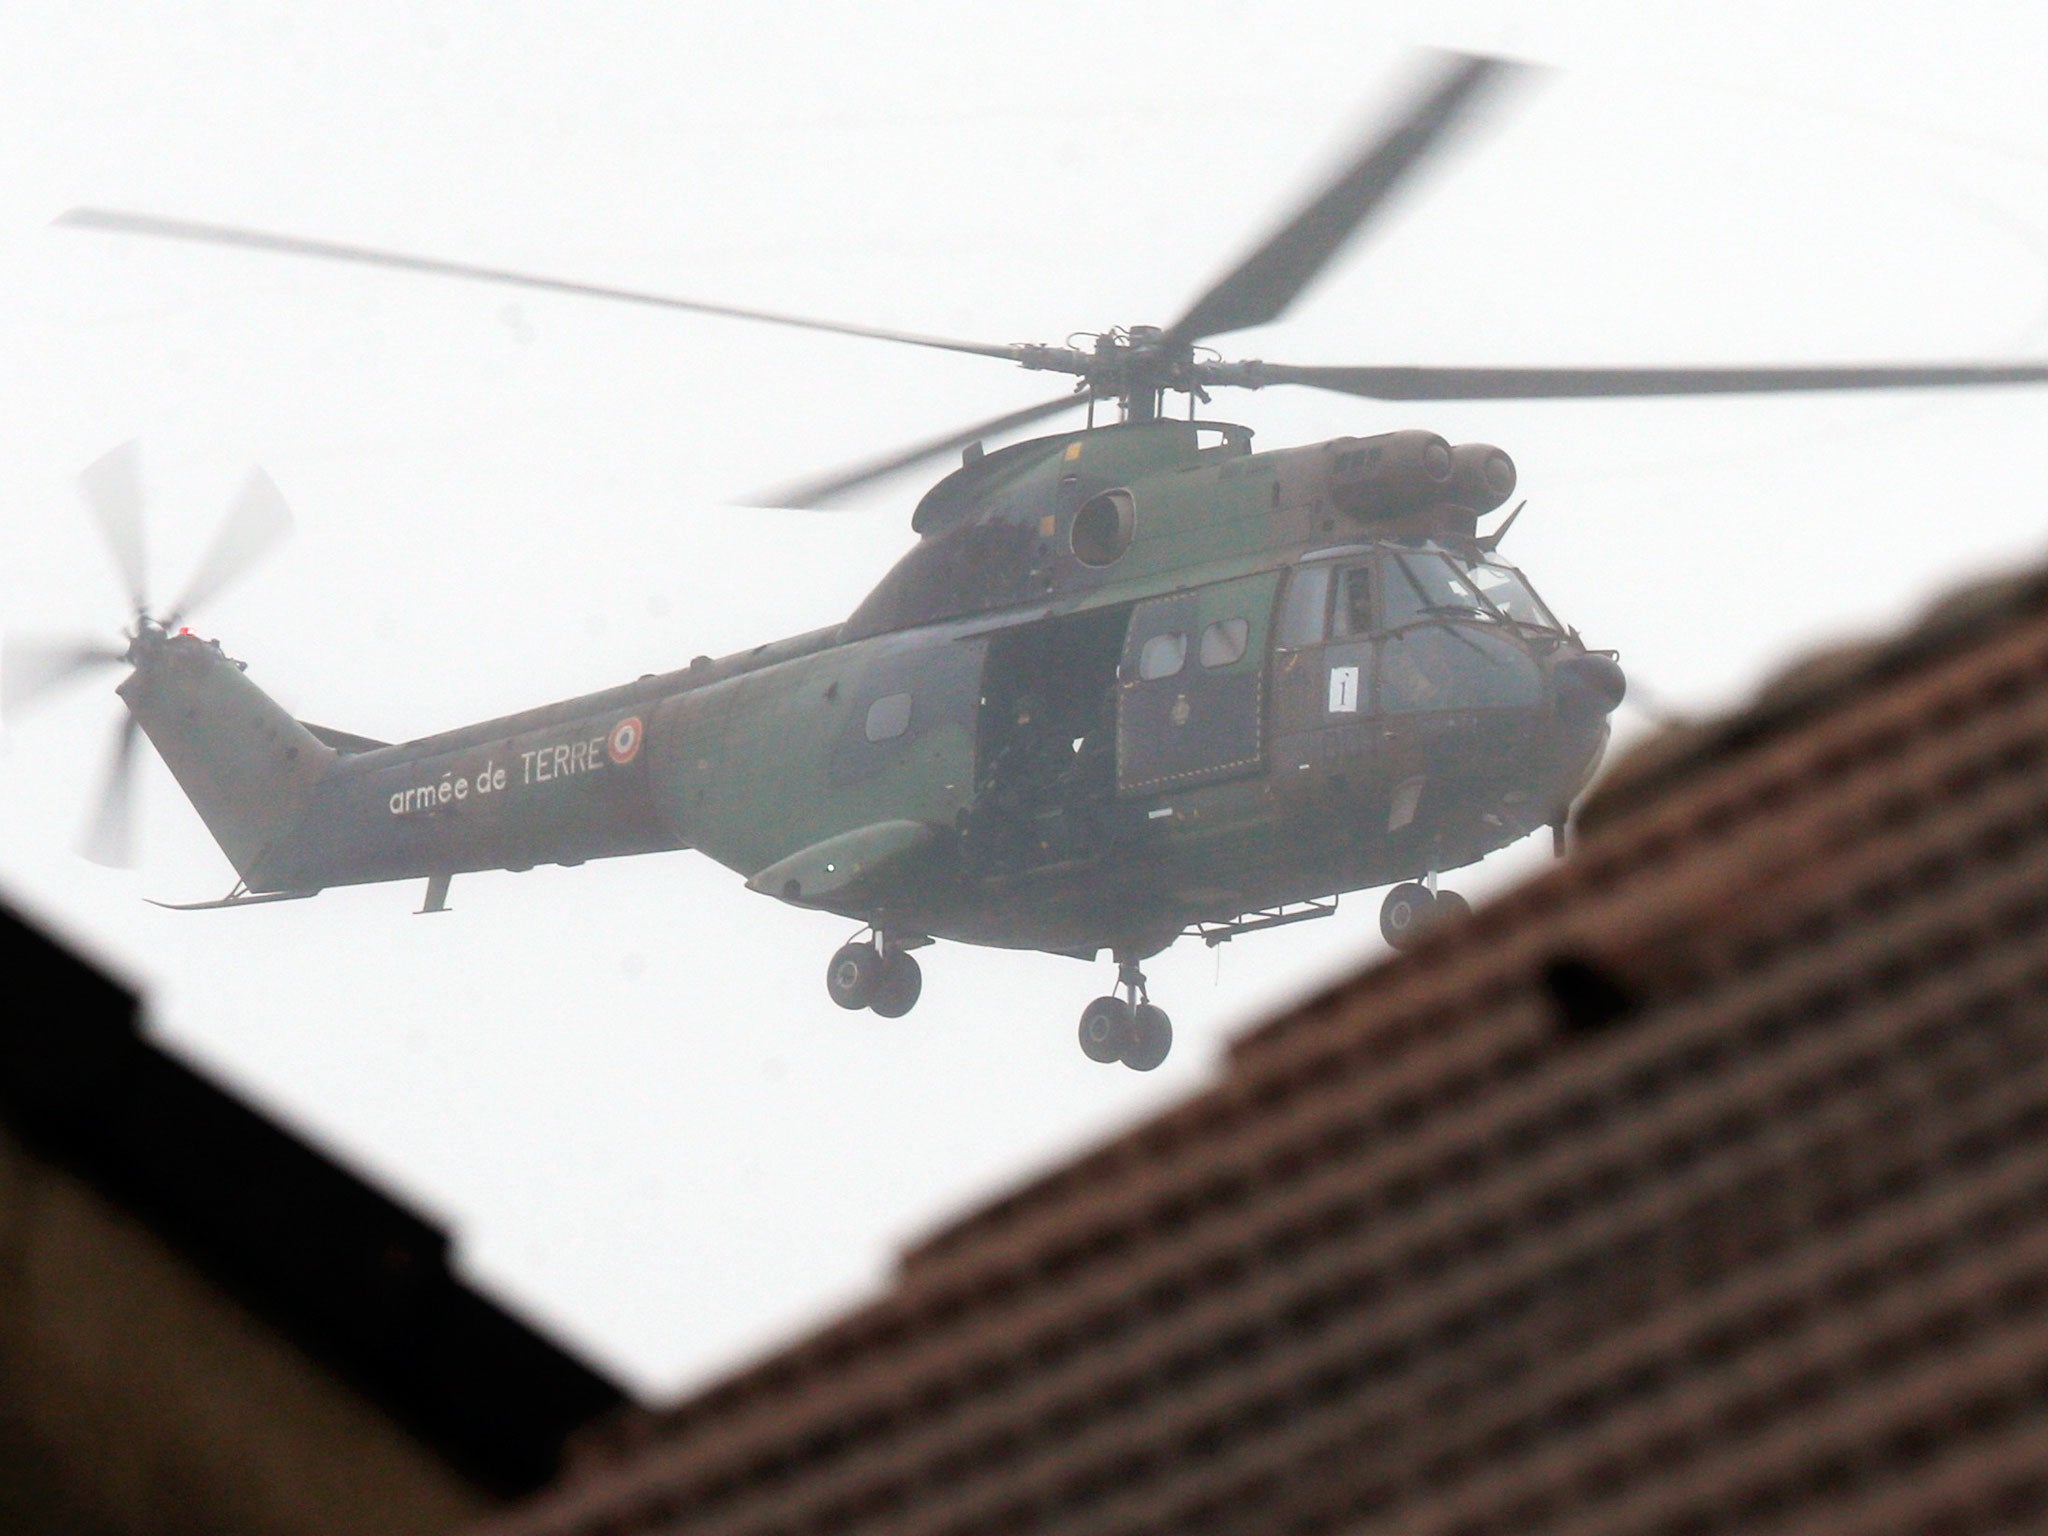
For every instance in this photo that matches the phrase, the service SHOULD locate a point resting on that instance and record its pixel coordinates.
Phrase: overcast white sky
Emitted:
(623, 1085)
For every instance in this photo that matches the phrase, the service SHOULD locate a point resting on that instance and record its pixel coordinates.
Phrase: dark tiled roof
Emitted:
(1698, 1185)
(349, 1276)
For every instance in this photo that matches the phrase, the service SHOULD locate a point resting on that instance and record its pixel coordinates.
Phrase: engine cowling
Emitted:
(1482, 477)
(1390, 475)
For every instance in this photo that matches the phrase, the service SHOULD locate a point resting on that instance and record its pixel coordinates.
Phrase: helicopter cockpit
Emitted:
(1381, 588)
(1409, 628)
(1508, 590)
(1429, 583)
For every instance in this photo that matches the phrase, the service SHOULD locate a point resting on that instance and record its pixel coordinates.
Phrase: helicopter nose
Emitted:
(1589, 686)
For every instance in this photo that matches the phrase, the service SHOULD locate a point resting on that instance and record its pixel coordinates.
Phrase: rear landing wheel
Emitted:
(896, 989)
(1151, 1038)
(1108, 1029)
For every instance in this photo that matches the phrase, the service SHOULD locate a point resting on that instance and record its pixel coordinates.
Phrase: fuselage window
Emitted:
(1308, 599)
(1354, 605)
(1163, 656)
(1224, 641)
(888, 716)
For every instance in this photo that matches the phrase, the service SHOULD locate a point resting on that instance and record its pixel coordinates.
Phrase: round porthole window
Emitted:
(1102, 528)
(888, 717)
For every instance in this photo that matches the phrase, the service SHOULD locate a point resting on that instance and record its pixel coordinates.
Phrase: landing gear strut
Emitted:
(1130, 1029)
(882, 976)
(1413, 909)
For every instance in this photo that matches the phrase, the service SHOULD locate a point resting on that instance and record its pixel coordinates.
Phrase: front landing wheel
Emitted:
(1406, 914)
(1108, 1029)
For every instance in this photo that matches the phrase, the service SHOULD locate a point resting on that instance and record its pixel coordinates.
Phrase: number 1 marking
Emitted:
(1343, 690)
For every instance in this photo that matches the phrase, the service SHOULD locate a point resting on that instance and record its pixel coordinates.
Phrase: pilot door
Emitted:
(1323, 650)
(1191, 687)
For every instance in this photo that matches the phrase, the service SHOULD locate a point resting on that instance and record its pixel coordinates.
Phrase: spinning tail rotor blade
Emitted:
(112, 486)
(31, 668)
(257, 521)
(332, 250)
(1261, 286)
(1582, 383)
(110, 839)
(823, 492)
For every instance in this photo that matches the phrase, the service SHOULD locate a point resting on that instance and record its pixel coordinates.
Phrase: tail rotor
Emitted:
(112, 487)
(109, 838)
(31, 668)
(34, 668)
(256, 523)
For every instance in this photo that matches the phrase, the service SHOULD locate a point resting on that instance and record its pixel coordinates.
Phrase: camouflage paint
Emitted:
(853, 763)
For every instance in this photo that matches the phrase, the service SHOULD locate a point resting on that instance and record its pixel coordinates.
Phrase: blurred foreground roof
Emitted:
(1699, 1185)
(209, 1324)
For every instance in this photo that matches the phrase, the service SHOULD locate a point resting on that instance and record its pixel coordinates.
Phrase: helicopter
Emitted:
(1135, 681)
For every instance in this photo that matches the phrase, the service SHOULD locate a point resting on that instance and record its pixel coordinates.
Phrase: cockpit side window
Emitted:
(1303, 616)
(1354, 613)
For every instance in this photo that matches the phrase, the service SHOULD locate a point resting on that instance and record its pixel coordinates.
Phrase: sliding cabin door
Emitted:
(1191, 689)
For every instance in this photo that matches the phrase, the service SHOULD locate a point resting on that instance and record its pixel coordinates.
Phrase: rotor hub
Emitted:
(147, 639)
(1132, 365)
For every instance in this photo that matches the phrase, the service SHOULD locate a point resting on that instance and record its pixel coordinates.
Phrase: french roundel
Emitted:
(624, 743)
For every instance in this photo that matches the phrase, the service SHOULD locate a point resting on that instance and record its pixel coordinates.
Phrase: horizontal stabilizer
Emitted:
(342, 741)
(242, 900)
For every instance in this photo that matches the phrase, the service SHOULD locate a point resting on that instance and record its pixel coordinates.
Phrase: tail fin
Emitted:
(247, 766)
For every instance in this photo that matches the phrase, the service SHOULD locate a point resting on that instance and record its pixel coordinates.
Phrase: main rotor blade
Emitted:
(110, 838)
(293, 245)
(823, 491)
(255, 523)
(30, 668)
(1579, 383)
(1261, 286)
(112, 487)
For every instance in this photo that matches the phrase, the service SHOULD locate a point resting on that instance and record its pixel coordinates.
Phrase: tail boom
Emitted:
(247, 766)
(294, 813)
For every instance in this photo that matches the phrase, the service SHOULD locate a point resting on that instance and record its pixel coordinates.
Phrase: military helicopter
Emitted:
(1133, 682)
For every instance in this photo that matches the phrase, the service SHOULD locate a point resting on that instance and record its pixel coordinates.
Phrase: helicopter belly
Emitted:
(1453, 788)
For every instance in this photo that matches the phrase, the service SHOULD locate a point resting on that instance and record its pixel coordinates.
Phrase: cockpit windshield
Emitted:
(1417, 585)
(1503, 586)
(1430, 584)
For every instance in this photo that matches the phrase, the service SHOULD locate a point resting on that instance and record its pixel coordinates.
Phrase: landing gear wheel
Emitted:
(1151, 1038)
(1450, 906)
(852, 975)
(1108, 1029)
(1406, 914)
(896, 989)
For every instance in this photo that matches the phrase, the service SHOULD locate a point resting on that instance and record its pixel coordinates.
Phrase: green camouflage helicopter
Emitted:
(1133, 682)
